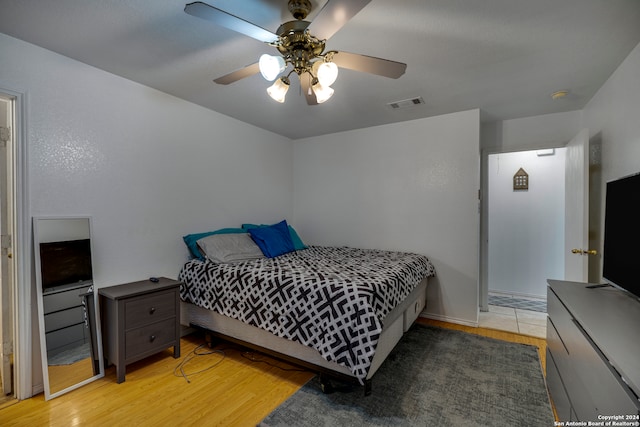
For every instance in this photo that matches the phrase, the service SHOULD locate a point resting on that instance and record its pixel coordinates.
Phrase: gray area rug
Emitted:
(434, 377)
(71, 356)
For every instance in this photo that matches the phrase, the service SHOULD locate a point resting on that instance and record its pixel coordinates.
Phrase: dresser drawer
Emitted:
(63, 319)
(564, 364)
(149, 339)
(559, 315)
(556, 346)
(64, 339)
(147, 309)
(63, 300)
(556, 389)
(608, 394)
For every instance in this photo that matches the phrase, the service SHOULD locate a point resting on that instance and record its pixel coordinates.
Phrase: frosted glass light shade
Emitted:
(323, 93)
(271, 66)
(327, 73)
(279, 89)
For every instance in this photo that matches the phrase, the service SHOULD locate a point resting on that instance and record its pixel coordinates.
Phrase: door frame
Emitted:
(483, 287)
(22, 324)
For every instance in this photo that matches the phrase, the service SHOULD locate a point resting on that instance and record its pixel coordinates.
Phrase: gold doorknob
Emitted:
(584, 251)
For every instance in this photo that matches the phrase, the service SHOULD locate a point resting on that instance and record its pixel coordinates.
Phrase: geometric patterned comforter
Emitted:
(333, 299)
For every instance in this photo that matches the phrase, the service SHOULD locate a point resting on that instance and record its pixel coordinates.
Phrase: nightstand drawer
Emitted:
(147, 309)
(149, 339)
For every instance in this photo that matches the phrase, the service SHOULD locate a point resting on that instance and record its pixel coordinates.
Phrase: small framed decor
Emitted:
(521, 180)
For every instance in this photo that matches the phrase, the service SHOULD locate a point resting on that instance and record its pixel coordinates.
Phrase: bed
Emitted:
(336, 310)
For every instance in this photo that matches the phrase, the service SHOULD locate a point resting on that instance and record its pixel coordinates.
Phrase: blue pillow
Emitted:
(273, 240)
(191, 239)
(295, 238)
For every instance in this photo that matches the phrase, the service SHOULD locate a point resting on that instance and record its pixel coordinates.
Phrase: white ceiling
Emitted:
(503, 56)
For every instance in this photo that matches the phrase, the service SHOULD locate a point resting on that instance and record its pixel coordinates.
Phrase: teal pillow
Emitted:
(295, 238)
(297, 241)
(191, 239)
(273, 240)
(249, 226)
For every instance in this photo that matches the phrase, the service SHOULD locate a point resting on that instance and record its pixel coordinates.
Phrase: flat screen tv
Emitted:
(66, 262)
(621, 261)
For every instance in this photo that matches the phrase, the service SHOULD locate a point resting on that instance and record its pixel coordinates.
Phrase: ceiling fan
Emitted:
(301, 44)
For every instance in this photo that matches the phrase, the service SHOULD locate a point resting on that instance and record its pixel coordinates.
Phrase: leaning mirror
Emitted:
(70, 341)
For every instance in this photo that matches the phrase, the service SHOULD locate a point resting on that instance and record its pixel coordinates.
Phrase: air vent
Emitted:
(405, 103)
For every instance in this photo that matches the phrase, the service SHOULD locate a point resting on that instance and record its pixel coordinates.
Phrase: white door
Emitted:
(576, 223)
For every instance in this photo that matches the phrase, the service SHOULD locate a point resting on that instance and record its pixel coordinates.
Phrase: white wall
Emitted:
(407, 186)
(528, 133)
(526, 227)
(613, 119)
(146, 166)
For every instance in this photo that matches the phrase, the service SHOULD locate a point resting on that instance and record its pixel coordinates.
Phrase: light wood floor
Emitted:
(233, 391)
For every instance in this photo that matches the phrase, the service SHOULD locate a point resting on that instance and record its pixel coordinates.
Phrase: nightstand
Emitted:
(139, 319)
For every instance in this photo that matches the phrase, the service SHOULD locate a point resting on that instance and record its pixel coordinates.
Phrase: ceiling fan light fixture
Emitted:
(327, 73)
(323, 93)
(271, 66)
(302, 45)
(279, 89)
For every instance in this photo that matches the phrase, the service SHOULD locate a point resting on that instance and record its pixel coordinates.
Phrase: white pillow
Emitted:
(223, 248)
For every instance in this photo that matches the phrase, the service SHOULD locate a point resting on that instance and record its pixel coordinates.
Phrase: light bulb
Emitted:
(279, 89)
(271, 66)
(327, 73)
(323, 93)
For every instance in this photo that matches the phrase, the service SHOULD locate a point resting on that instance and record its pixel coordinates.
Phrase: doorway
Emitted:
(525, 223)
(523, 237)
(7, 264)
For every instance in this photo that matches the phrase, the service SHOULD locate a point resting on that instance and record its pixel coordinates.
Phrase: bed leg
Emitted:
(208, 338)
(325, 384)
(367, 387)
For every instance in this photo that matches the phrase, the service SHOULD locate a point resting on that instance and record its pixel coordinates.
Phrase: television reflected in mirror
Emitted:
(65, 263)
(71, 347)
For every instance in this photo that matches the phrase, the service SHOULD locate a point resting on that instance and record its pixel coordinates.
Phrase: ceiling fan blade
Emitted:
(224, 19)
(305, 83)
(369, 64)
(333, 16)
(247, 71)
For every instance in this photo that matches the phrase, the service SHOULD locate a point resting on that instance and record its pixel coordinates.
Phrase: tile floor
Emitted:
(526, 322)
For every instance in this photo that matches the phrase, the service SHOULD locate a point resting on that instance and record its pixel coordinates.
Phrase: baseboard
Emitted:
(186, 330)
(449, 319)
(37, 389)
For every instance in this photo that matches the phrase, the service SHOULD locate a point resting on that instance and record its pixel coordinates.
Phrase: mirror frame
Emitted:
(40, 300)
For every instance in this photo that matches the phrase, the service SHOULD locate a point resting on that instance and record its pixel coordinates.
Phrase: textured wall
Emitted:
(408, 186)
(146, 166)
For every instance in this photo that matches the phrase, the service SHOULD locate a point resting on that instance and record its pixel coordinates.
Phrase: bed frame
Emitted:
(395, 324)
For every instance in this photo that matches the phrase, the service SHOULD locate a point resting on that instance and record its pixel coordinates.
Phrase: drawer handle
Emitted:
(152, 310)
(152, 338)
